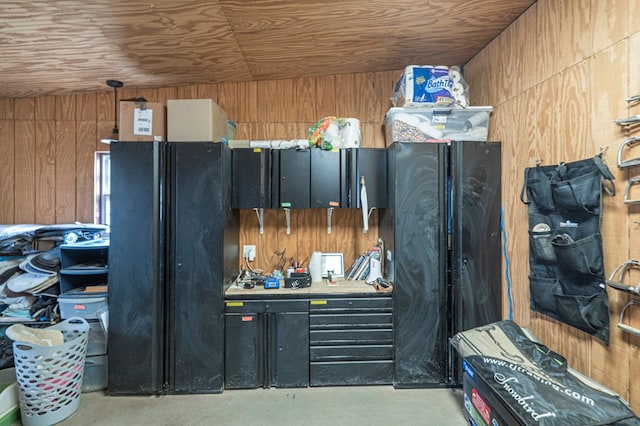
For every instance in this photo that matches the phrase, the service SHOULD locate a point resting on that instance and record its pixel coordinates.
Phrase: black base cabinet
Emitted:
(266, 344)
(351, 341)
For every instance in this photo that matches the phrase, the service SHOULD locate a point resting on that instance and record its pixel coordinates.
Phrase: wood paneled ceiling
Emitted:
(69, 46)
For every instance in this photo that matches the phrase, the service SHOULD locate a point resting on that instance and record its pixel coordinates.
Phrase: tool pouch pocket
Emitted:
(583, 256)
(588, 312)
(541, 246)
(538, 189)
(581, 193)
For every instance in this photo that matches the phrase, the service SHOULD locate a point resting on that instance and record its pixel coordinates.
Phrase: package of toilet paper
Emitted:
(430, 86)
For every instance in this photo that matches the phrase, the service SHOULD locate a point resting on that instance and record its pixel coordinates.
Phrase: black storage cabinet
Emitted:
(370, 163)
(351, 341)
(251, 181)
(441, 230)
(266, 344)
(291, 177)
(329, 182)
(173, 245)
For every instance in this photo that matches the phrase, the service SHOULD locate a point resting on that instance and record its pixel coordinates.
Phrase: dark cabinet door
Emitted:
(135, 270)
(198, 191)
(476, 239)
(292, 172)
(266, 344)
(370, 164)
(414, 228)
(243, 351)
(291, 349)
(328, 178)
(251, 176)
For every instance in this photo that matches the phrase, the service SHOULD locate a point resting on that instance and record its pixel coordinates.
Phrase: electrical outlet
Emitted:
(249, 252)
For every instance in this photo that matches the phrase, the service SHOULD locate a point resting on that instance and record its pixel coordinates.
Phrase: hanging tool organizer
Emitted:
(566, 278)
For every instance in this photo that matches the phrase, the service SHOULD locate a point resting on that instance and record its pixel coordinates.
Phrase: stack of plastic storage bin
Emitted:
(431, 104)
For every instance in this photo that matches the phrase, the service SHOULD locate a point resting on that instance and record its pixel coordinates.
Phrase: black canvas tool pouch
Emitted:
(566, 278)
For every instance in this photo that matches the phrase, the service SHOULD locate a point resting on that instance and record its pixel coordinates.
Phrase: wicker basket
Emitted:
(50, 377)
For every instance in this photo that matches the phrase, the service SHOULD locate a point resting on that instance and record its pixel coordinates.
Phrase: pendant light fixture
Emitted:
(114, 135)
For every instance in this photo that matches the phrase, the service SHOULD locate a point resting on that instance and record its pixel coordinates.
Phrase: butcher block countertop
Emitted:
(349, 288)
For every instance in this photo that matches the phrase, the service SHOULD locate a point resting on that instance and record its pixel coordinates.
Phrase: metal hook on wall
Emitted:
(633, 99)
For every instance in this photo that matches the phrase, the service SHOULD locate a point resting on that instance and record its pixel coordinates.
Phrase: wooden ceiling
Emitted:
(69, 46)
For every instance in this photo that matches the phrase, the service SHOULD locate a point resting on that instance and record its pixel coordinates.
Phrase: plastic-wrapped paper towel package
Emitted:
(335, 132)
(427, 85)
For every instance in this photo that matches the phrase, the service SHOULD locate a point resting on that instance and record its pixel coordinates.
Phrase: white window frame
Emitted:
(102, 188)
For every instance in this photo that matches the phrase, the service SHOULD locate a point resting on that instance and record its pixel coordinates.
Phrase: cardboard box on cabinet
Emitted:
(142, 121)
(196, 120)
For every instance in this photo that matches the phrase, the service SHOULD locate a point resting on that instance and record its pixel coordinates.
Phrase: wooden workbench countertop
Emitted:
(343, 287)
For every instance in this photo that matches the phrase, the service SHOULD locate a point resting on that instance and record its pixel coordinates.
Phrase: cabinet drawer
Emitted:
(270, 306)
(351, 337)
(242, 306)
(339, 321)
(351, 353)
(351, 373)
(286, 306)
(374, 304)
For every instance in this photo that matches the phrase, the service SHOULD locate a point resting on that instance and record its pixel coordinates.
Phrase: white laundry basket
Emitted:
(50, 377)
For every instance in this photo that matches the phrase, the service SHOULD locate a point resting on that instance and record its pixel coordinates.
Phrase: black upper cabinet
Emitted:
(251, 178)
(309, 178)
(292, 178)
(370, 163)
(329, 178)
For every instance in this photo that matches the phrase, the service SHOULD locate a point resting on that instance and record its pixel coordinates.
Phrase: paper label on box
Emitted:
(142, 121)
(439, 121)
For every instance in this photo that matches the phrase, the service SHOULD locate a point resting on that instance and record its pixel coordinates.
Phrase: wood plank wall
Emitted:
(48, 146)
(557, 78)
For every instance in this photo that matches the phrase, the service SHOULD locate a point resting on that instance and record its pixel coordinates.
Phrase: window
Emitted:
(102, 190)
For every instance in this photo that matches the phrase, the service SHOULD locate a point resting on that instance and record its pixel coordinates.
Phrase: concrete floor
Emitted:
(335, 406)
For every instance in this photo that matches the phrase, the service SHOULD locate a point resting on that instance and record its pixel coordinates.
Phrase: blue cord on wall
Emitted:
(506, 260)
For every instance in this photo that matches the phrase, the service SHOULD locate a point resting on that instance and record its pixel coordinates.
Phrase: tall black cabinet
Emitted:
(442, 247)
(174, 243)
